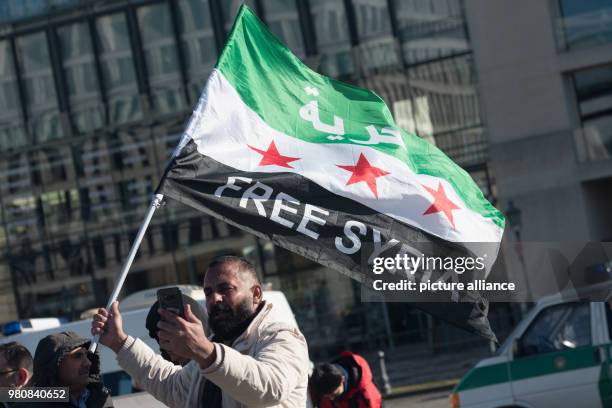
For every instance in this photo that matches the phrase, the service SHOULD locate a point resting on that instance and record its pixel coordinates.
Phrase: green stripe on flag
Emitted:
(276, 85)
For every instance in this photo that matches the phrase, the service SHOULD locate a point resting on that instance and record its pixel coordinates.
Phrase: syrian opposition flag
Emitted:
(320, 168)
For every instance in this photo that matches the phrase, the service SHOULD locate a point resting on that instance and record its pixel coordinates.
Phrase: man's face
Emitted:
(230, 297)
(8, 375)
(74, 368)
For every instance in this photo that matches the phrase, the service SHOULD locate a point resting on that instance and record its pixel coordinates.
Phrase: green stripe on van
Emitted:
(529, 367)
(483, 376)
(546, 364)
(605, 380)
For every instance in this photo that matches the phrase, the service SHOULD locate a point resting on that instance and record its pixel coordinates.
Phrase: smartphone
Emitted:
(171, 299)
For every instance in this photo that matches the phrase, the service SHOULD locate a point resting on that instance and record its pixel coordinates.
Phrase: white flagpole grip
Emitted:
(156, 202)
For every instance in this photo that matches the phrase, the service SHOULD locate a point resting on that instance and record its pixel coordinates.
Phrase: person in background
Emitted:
(346, 382)
(16, 367)
(62, 360)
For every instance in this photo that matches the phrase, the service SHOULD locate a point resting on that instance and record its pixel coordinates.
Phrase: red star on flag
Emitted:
(272, 156)
(364, 171)
(441, 203)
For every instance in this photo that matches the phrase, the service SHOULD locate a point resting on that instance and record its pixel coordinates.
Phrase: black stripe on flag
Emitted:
(327, 228)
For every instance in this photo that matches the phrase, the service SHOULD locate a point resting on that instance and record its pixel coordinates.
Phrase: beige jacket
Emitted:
(267, 366)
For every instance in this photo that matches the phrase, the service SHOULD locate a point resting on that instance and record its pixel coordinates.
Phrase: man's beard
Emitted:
(224, 320)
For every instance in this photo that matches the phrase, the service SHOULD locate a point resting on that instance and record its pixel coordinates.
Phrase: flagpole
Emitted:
(156, 202)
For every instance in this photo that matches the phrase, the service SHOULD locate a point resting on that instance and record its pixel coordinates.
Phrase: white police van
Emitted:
(560, 355)
(134, 309)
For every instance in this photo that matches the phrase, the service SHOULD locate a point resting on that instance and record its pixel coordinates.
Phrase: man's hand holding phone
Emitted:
(180, 331)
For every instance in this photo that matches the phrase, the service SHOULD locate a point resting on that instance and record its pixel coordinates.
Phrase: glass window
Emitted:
(465, 146)
(81, 78)
(22, 217)
(20, 207)
(198, 40)
(413, 116)
(376, 42)
(26, 260)
(585, 23)
(230, 10)
(70, 255)
(557, 328)
(18, 10)
(68, 300)
(97, 200)
(430, 29)
(37, 74)
(50, 165)
(445, 92)
(118, 69)
(12, 133)
(161, 58)
(61, 209)
(333, 41)
(131, 155)
(166, 140)
(283, 19)
(594, 94)
(131, 151)
(52, 172)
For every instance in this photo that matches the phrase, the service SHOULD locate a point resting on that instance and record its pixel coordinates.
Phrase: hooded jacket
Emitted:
(266, 366)
(50, 352)
(361, 392)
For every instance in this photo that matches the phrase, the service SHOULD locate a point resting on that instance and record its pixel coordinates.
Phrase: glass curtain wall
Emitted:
(197, 37)
(594, 95)
(161, 58)
(283, 19)
(12, 131)
(584, 23)
(39, 86)
(86, 105)
(335, 57)
(376, 41)
(118, 69)
(430, 29)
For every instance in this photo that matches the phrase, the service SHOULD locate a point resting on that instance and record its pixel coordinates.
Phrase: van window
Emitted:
(557, 328)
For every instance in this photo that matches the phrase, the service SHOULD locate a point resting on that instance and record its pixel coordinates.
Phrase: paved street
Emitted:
(436, 399)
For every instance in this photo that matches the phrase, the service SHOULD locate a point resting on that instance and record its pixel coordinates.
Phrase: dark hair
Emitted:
(244, 266)
(325, 378)
(17, 356)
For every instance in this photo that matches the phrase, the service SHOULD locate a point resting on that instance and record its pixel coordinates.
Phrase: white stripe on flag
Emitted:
(227, 127)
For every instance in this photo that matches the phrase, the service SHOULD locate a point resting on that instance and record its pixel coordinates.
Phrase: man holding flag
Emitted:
(254, 359)
(319, 168)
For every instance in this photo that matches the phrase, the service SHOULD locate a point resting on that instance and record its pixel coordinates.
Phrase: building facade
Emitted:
(95, 93)
(545, 71)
